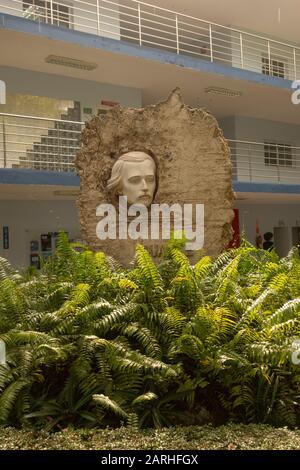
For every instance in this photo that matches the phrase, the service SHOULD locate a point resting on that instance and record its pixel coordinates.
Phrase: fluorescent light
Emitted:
(68, 62)
(66, 192)
(223, 91)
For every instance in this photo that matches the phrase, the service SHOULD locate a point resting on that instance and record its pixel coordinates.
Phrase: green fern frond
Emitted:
(278, 282)
(180, 258)
(127, 284)
(6, 270)
(8, 398)
(149, 273)
(110, 406)
(202, 267)
(79, 298)
(288, 311)
(64, 249)
(109, 321)
(144, 337)
(145, 398)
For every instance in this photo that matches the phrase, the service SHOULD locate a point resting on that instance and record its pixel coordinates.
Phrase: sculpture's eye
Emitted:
(134, 179)
(150, 179)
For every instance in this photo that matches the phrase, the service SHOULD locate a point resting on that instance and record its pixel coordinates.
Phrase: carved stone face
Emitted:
(138, 182)
(134, 176)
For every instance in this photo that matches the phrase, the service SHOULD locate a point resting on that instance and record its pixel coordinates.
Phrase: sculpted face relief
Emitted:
(138, 182)
(133, 176)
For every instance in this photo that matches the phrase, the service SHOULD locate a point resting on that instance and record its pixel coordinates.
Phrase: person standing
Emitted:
(268, 243)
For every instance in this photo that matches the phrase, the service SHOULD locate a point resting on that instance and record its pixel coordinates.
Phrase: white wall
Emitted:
(228, 126)
(27, 220)
(268, 216)
(258, 130)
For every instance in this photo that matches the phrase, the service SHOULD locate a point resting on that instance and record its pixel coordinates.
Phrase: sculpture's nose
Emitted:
(144, 184)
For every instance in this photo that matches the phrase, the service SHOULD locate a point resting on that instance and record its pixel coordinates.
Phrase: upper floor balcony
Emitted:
(43, 144)
(146, 25)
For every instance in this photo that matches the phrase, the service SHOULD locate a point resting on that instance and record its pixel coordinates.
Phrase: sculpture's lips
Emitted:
(145, 197)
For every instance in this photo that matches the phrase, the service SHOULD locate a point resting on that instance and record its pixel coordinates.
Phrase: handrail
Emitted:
(40, 118)
(262, 143)
(213, 24)
(156, 7)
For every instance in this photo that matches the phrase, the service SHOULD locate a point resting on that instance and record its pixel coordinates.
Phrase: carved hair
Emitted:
(116, 172)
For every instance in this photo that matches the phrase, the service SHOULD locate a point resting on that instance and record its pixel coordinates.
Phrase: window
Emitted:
(276, 68)
(41, 10)
(278, 154)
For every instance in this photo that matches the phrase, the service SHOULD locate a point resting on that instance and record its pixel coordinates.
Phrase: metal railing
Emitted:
(148, 25)
(51, 144)
(265, 162)
(38, 143)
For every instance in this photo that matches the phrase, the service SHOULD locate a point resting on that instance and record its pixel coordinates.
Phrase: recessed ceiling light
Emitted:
(65, 192)
(68, 62)
(223, 91)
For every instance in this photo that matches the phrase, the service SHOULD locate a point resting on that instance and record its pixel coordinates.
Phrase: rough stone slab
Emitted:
(192, 159)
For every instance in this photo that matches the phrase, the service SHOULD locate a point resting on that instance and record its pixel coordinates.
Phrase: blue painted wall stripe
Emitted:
(52, 178)
(253, 187)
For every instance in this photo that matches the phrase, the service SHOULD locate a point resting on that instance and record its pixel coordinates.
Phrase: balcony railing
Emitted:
(265, 162)
(51, 144)
(147, 25)
(38, 143)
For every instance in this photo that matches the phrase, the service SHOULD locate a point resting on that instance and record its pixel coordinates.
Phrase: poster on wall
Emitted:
(35, 261)
(46, 242)
(34, 246)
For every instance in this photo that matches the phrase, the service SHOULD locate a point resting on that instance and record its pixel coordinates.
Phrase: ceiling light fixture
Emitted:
(223, 91)
(68, 62)
(65, 192)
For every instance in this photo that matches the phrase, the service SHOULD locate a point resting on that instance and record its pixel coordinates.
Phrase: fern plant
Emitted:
(90, 343)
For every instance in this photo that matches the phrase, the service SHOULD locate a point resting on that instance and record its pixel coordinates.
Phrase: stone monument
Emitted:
(166, 154)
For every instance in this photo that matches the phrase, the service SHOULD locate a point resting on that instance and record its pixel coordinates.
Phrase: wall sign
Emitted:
(87, 111)
(109, 103)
